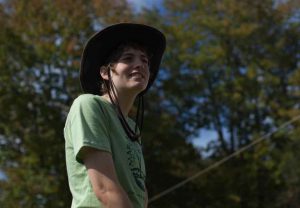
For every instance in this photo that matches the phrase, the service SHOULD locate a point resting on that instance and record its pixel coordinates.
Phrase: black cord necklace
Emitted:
(134, 135)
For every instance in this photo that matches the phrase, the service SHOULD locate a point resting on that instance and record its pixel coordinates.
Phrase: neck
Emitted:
(125, 101)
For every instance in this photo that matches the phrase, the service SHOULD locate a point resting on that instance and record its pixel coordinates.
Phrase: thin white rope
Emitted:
(220, 162)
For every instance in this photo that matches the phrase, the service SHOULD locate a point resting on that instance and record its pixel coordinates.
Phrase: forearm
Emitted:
(104, 181)
(116, 198)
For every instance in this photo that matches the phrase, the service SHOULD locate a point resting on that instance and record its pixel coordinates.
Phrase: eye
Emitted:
(145, 61)
(128, 58)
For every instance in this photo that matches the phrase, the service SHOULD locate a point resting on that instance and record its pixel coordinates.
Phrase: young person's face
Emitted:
(131, 72)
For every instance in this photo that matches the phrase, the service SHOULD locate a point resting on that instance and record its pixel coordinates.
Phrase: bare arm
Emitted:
(103, 178)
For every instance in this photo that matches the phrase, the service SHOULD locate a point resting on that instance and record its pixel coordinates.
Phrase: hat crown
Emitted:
(101, 44)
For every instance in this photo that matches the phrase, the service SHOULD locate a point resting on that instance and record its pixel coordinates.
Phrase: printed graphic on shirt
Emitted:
(135, 164)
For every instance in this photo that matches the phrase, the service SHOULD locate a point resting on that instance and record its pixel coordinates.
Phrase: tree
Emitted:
(229, 67)
(41, 45)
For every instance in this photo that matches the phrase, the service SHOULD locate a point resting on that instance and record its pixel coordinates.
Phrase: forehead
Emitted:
(134, 51)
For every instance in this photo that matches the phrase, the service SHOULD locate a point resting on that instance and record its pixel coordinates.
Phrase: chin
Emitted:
(139, 88)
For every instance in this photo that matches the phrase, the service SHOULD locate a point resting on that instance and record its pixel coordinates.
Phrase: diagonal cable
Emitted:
(220, 162)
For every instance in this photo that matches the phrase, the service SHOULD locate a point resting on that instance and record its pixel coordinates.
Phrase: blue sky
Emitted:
(205, 136)
(139, 4)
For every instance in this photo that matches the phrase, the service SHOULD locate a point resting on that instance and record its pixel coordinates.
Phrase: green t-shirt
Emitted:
(93, 122)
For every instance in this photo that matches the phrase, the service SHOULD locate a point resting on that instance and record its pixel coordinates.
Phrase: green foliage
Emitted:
(230, 66)
(41, 45)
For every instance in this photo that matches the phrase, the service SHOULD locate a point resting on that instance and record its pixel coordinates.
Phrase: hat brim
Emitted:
(99, 47)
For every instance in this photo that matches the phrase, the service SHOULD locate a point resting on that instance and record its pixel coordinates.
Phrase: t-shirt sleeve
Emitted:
(88, 126)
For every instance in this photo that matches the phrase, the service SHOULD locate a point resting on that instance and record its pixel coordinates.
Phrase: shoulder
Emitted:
(87, 101)
(85, 104)
(88, 109)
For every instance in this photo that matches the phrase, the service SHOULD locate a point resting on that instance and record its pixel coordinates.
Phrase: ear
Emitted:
(104, 72)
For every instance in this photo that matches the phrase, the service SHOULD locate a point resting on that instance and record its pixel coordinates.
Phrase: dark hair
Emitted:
(116, 54)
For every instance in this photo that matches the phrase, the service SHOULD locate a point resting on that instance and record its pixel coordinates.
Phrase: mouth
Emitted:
(137, 75)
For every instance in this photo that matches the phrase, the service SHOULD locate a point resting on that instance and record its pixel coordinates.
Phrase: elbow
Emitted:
(107, 194)
(102, 194)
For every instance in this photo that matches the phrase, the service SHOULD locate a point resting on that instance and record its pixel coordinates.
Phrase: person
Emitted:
(104, 159)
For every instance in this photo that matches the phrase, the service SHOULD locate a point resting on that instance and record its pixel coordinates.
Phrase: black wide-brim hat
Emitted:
(100, 46)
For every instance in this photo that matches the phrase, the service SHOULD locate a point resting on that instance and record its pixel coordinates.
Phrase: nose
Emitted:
(141, 66)
(139, 63)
